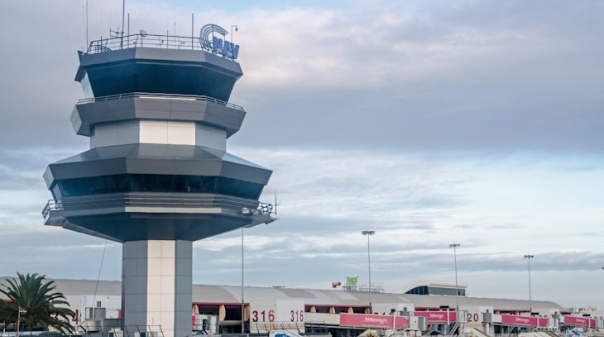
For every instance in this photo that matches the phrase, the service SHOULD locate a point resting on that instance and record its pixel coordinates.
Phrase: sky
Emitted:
(430, 122)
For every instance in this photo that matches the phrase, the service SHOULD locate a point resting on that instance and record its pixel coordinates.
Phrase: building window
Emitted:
(122, 183)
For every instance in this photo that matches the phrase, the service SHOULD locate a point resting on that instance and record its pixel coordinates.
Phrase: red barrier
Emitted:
(535, 322)
(580, 321)
(372, 321)
(438, 316)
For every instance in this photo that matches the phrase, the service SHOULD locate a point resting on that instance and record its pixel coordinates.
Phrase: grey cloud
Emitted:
(22, 169)
(39, 62)
(483, 76)
(546, 262)
(390, 264)
(534, 90)
(57, 254)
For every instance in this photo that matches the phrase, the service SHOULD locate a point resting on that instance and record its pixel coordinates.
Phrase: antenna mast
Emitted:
(86, 47)
(122, 33)
(277, 202)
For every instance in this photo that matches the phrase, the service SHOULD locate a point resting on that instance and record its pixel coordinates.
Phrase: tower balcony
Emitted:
(145, 40)
(158, 64)
(147, 216)
(213, 112)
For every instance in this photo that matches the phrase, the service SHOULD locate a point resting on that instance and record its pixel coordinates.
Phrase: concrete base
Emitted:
(157, 287)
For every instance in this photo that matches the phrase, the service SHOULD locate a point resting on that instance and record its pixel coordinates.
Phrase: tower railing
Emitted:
(160, 96)
(181, 200)
(143, 39)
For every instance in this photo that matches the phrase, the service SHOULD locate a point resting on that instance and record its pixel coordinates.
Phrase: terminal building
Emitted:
(337, 312)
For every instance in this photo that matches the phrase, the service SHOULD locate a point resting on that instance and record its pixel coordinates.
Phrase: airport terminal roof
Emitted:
(317, 297)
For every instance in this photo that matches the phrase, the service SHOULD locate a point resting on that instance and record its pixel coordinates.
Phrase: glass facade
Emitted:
(122, 183)
(426, 290)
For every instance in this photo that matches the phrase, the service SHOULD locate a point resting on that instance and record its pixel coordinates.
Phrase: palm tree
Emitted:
(38, 301)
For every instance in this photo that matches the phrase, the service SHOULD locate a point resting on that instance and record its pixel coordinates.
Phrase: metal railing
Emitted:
(153, 200)
(51, 206)
(143, 39)
(143, 330)
(263, 327)
(160, 96)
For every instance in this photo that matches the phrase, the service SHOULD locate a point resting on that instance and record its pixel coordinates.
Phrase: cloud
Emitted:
(491, 84)
(434, 76)
(57, 253)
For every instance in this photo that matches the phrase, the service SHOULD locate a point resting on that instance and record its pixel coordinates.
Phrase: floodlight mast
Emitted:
(528, 257)
(455, 246)
(369, 233)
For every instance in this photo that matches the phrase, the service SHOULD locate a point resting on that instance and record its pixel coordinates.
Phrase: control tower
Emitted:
(157, 175)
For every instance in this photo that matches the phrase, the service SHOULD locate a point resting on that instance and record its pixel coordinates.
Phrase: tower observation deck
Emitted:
(157, 175)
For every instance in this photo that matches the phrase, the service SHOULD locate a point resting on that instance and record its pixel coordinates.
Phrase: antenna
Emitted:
(277, 203)
(192, 30)
(86, 22)
(122, 33)
(83, 26)
(114, 33)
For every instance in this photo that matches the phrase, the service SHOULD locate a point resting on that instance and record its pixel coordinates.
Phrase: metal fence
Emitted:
(143, 39)
(160, 96)
(154, 200)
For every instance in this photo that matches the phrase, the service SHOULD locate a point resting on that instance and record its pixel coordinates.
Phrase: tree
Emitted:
(39, 302)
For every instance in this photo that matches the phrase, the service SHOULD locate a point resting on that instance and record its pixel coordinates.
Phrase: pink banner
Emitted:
(580, 321)
(372, 321)
(524, 321)
(437, 316)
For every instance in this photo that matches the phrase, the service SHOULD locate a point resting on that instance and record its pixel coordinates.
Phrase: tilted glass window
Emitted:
(157, 183)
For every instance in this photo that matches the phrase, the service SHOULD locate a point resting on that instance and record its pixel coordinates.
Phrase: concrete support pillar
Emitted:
(157, 287)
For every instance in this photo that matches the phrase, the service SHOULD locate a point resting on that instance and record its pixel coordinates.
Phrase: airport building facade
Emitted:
(336, 312)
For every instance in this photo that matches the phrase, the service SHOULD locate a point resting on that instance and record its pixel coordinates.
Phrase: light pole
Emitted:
(455, 246)
(528, 258)
(21, 310)
(232, 50)
(236, 29)
(242, 301)
(369, 234)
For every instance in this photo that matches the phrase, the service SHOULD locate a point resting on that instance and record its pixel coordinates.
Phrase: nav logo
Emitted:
(219, 46)
(225, 48)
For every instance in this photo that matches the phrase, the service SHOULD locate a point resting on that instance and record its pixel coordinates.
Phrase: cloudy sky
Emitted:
(430, 122)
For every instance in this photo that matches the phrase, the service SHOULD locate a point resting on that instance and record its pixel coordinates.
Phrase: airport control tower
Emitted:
(157, 175)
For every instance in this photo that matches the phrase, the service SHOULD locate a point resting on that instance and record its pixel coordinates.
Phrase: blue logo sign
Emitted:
(219, 46)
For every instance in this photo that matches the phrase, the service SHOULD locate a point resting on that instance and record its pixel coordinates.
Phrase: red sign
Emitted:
(580, 321)
(437, 316)
(373, 321)
(524, 321)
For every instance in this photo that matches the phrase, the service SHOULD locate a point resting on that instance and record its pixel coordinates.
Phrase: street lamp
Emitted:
(455, 246)
(236, 29)
(368, 234)
(242, 302)
(21, 311)
(528, 258)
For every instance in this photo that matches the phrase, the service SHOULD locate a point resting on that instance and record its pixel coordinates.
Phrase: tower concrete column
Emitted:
(157, 286)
